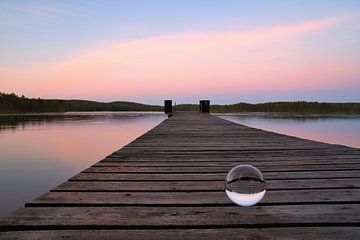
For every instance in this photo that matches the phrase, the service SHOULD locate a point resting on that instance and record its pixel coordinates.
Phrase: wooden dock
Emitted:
(169, 184)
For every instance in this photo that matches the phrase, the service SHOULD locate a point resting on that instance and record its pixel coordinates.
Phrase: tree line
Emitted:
(296, 107)
(12, 103)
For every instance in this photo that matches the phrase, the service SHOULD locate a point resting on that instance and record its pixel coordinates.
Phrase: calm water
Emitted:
(38, 152)
(337, 129)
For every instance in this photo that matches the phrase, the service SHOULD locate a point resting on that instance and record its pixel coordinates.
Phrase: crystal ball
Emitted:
(245, 185)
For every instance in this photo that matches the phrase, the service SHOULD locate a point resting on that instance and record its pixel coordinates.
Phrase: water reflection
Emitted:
(330, 128)
(22, 121)
(40, 151)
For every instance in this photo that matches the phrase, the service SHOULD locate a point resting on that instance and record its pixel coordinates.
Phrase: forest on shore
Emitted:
(291, 107)
(11, 103)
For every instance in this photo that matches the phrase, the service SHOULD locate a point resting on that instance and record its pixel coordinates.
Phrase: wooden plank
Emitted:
(259, 150)
(253, 154)
(217, 169)
(230, 158)
(167, 217)
(191, 198)
(251, 147)
(210, 176)
(203, 185)
(294, 233)
(236, 154)
(195, 163)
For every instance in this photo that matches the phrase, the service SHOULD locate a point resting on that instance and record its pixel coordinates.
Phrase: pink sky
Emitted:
(202, 64)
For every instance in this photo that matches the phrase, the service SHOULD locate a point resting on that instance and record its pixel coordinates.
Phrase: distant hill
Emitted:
(11, 103)
(291, 107)
(298, 106)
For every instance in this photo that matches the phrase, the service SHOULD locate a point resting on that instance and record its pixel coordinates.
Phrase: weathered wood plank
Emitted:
(294, 233)
(230, 158)
(195, 163)
(165, 217)
(203, 185)
(300, 150)
(192, 198)
(210, 176)
(217, 169)
(236, 154)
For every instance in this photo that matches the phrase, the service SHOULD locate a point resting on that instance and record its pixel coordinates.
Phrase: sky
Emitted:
(147, 51)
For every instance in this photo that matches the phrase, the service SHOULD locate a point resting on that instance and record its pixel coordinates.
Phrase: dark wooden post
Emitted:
(204, 106)
(168, 106)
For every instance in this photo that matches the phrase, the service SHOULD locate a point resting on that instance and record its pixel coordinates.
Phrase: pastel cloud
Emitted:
(193, 64)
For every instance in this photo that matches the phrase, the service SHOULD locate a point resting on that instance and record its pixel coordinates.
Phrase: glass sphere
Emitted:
(245, 185)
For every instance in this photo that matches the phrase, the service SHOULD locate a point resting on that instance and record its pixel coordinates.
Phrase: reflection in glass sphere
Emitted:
(245, 185)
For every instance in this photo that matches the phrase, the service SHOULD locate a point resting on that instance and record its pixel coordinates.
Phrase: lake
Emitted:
(329, 128)
(38, 152)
